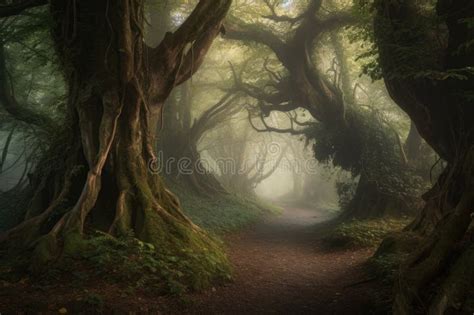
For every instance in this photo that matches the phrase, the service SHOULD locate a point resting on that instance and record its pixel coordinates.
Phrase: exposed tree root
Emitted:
(430, 260)
(105, 184)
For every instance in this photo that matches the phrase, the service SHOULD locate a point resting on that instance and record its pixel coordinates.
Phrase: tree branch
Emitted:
(237, 30)
(274, 16)
(10, 103)
(268, 128)
(17, 7)
(181, 53)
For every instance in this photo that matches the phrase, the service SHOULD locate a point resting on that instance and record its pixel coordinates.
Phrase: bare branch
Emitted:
(268, 128)
(273, 75)
(10, 103)
(274, 16)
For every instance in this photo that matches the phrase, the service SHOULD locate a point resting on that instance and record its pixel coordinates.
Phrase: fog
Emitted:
(245, 156)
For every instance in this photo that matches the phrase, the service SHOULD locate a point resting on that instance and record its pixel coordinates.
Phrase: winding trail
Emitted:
(282, 267)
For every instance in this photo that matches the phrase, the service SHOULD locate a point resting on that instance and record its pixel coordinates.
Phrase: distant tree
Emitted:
(352, 137)
(184, 131)
(243, 159)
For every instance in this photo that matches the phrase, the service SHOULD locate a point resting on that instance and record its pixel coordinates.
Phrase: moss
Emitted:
(45, 252)
(224, 214)
(364, 233)
(165, 269)
(74, 244)
(196, 253)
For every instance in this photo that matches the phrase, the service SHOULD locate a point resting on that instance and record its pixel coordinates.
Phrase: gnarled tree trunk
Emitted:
(327, 101)
(441, 106)
(116, 89)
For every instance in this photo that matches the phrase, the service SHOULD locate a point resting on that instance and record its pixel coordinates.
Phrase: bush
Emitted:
(366, 233)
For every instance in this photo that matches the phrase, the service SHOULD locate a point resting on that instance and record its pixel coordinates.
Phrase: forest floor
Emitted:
(283, 266)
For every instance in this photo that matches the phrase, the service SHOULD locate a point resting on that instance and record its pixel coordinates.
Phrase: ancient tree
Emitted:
(117, 86)
(347, 136)
(427, 56)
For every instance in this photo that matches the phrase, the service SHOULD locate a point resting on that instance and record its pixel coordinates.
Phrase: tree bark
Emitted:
(443, 112)
(114, 102)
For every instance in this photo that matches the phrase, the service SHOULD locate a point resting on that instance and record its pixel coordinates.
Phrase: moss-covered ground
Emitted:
(222, 215)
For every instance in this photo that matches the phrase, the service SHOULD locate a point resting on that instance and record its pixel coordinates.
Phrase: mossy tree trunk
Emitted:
(117, 87)
(370, 201)
(441, 106)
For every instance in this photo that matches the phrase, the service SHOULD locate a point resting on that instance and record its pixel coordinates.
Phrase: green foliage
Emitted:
(142, 266)
(412, 56)
(134, 262)
(368, 146)
(367, 233)
(363, 34)
(345, 191)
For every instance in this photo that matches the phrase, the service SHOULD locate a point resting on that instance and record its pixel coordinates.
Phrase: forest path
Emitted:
(282, 267)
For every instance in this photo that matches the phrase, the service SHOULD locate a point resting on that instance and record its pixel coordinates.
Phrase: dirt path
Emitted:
(281, 267)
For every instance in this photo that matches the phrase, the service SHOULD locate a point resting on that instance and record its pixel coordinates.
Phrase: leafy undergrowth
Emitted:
(142, 266)
(222, 215)
(364, 233)
(107, 268)
(126, 274)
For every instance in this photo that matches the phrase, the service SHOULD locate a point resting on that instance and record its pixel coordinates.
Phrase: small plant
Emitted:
(142, 266)
(94, 300)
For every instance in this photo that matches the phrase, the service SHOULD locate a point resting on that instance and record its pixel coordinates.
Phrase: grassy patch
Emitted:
(224, 214)
(364, 233)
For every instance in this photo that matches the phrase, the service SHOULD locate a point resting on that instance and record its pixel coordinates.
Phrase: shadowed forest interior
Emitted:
(237, 156)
